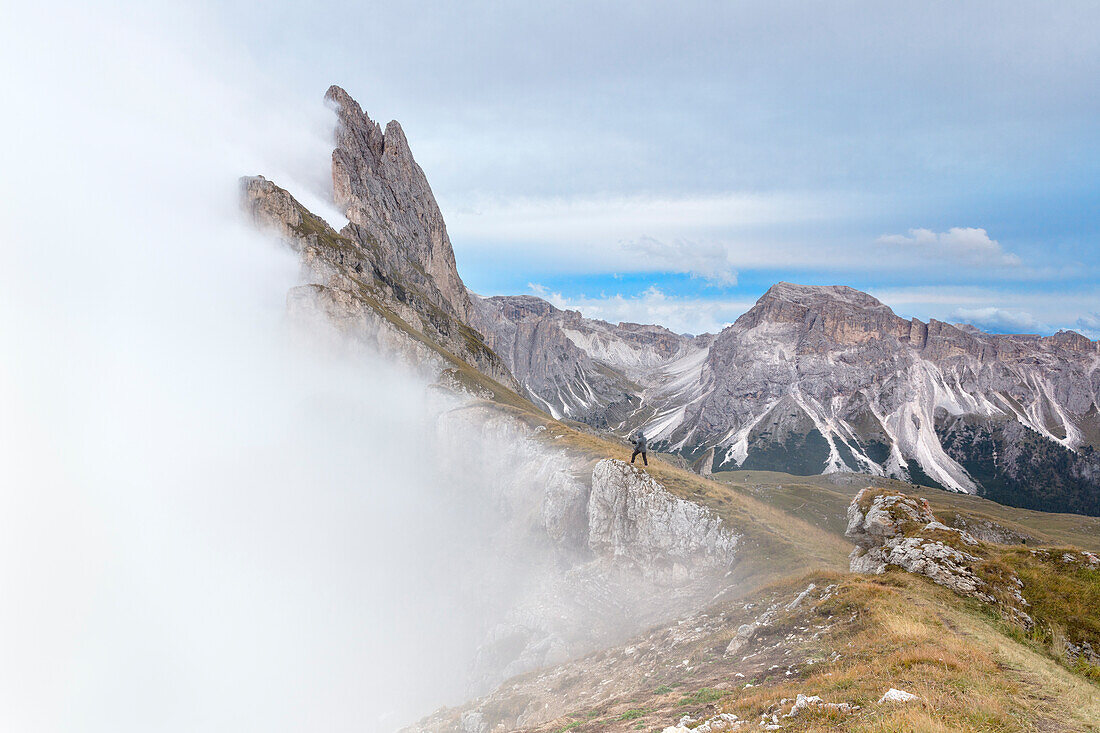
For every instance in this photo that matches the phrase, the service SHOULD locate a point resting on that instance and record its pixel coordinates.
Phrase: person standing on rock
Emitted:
(639, 447)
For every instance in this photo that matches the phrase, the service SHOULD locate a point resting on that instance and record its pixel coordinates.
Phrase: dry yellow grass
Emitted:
(920, 638)
(824, 499)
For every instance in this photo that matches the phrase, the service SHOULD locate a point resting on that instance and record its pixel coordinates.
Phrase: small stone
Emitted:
(895, 695)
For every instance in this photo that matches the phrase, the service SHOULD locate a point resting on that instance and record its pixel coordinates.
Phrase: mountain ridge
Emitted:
(811, 379)
(744, 577)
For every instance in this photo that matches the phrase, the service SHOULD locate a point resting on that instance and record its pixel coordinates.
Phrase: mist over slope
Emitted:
(210, 519)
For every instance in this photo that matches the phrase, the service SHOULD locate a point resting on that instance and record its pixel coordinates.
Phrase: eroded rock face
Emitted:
(576, 367)
(632, 517)
(388, 201)
(873, 390)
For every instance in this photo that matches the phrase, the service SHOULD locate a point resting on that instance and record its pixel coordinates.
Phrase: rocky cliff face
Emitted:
(832, 378)
(389, 276)
(631, 517)
(390, 205)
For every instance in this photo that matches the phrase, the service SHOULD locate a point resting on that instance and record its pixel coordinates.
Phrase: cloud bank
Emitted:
(682, 315)
(964, 245)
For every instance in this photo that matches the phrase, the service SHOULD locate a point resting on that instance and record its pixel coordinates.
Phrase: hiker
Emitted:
(639, 447)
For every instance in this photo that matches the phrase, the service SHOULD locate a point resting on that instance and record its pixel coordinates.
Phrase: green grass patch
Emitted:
(703, 696)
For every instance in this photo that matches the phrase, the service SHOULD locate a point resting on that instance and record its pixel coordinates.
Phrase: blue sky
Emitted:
(668, 162)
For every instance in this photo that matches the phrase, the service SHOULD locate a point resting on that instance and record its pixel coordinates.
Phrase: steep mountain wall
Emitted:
(368, 290)
(390, 205)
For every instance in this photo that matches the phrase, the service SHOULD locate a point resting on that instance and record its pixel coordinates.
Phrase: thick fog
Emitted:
(209, 521)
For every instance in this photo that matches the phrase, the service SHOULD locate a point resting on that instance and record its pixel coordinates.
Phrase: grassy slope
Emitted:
(918, 637)
(896, 630)
(824, 501)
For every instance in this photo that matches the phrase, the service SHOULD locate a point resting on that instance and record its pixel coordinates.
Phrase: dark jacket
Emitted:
(639, 441)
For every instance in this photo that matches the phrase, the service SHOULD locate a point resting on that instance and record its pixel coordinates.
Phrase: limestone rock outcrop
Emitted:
(894, 529)
(386, 197)
(632, 517)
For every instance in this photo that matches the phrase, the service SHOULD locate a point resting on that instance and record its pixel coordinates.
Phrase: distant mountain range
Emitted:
(810, 380)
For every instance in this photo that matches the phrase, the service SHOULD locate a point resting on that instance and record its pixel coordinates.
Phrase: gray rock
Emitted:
(390, 205)
(389, 277)
(632, 517)
(898, 530)
(894, 695)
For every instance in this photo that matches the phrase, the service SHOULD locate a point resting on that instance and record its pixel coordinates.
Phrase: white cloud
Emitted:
(966, 245)
(709, 236)
(631, 217)
(1089, 325)
(708, 260)
(653, 306)
(1089, 320)
(1001, 320)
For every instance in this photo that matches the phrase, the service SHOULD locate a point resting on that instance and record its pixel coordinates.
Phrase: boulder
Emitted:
(890, 528)
(894, 695)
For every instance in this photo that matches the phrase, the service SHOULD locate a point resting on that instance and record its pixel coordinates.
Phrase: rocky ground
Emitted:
(844, 654)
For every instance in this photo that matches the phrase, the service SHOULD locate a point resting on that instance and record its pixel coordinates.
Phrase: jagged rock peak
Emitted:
(358, 133)
(354, 120)
(386, 197)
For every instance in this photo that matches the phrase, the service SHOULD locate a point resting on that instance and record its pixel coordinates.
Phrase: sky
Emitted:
(669, 162)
